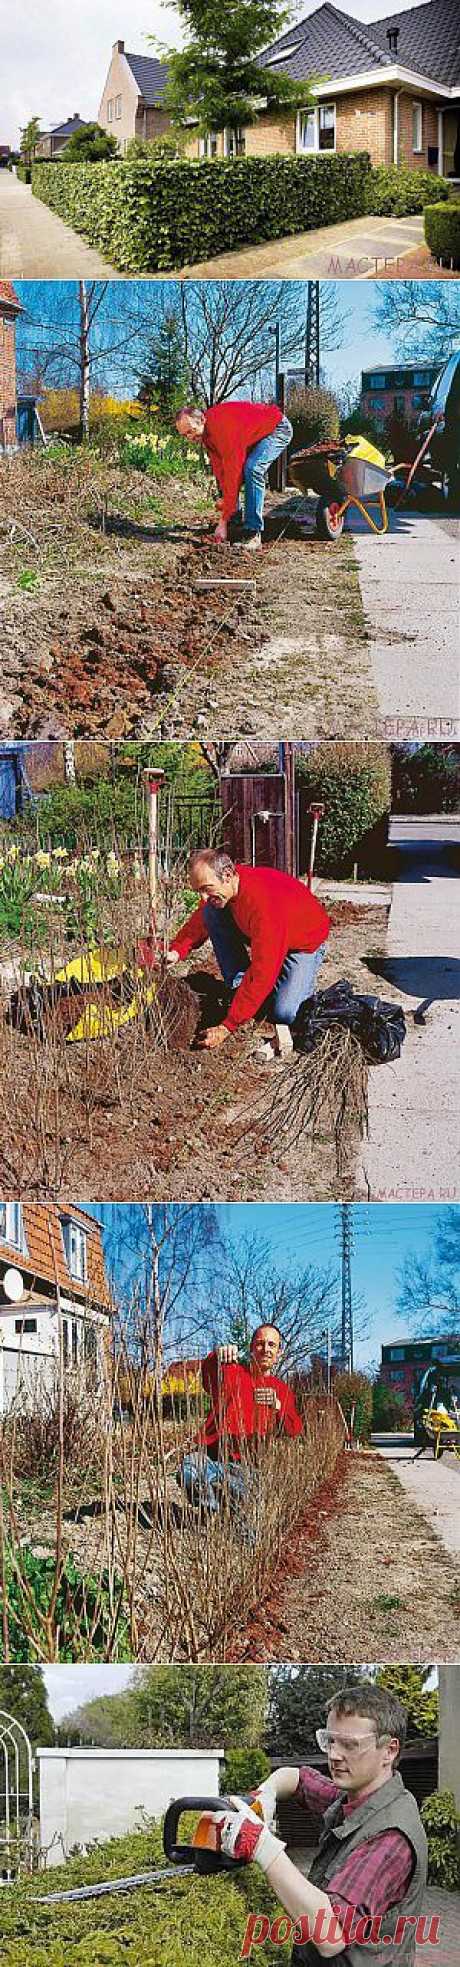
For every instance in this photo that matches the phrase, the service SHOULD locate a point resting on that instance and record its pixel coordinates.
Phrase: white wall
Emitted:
(88, 1795)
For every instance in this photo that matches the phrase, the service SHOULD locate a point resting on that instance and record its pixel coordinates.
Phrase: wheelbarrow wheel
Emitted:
(329, 520)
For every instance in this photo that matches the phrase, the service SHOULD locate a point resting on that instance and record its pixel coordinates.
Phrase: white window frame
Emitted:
(208, 146)
(314, 150)
(110, 110)
(12, 1226)
(118, 108)
(417, 127)
(75, 1240)
(234, 137)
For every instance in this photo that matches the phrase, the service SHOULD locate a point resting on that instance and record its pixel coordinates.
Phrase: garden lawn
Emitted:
(199, 1920)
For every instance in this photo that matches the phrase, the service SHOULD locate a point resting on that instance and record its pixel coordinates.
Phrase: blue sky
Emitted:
(131, 308)
(300, 1233)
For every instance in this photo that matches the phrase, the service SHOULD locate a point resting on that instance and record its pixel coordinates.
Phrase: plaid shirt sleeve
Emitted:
(374, 1876)
(315, 1791)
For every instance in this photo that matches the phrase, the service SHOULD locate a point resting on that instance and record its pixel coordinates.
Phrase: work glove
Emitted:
(227, 1355)
(243, 1837)
(265, 1795)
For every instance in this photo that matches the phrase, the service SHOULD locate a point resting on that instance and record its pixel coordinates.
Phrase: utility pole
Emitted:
(312, 335)
(346, 1240)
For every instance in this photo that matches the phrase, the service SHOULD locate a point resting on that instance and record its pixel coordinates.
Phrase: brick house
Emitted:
(391, 87)
(10, 308)
(51, 143)
(402, 391)
(52, 1280)
(403, 1365)
(130, 104)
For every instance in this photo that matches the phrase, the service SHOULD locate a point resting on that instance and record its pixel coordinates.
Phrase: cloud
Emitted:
(55, 59)
(68, 1687)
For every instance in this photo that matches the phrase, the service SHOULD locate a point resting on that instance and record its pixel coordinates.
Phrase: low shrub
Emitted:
(354, 1391)
(354, 786)
(315, 416)
(23, 172)
(146, 215)
(392, 190)
(196, 1919)
(79, 1607)
(442, 233)
(161, 456)
(441, 1820)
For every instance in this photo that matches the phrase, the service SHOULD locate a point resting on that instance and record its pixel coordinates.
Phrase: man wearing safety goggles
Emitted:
(364, 1894)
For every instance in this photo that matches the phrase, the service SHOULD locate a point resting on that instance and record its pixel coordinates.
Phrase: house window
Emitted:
(110, 110)
(118, 107)
(234, 143)
(12, 1225)
(396, 1352)
(208, 146)
(75, 1245)
(316, 129)
(417, 126)
(25, 1325)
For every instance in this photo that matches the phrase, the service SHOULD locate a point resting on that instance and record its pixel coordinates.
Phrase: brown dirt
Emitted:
(133, 1121)
(368, 1578)
(114, 625)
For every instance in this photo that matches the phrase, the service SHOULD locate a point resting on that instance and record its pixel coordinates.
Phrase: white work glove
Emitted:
(172, 956)
(227, 1355)
(242, 1836)
(265, 1794)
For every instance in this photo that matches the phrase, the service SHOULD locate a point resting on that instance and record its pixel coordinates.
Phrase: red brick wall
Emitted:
(7, 381)
(364, 123)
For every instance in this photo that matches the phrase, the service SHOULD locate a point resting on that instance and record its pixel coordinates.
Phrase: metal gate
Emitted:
(16, 1799)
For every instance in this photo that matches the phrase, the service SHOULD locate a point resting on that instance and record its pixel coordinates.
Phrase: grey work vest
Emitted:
(390, 1808)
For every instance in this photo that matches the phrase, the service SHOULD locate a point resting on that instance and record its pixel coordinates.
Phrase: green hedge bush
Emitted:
(244, 1769)
(441, 1820)
(442, 233)
(315, 416)
(354, 784)
(24, 173)
(147, 216)
(394, 191)
(195, 1919)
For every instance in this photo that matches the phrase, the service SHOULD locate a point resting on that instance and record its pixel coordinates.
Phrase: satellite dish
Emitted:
(13, 1285)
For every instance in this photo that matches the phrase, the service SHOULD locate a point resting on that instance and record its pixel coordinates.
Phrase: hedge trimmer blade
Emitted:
(108, 1885)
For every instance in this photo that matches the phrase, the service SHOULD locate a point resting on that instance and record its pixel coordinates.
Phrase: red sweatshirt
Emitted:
(275, 914)
(245, 1404)
(230, 431)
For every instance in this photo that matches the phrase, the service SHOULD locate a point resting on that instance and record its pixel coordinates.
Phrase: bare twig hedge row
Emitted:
(146, 216)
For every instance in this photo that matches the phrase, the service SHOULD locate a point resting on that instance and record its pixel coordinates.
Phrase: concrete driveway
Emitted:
(353, 250)
(410, 587)
(36, 245)
(411, 1153)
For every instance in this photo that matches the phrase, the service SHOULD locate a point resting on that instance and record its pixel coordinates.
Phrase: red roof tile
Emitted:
(45, 1258)
(9, 297)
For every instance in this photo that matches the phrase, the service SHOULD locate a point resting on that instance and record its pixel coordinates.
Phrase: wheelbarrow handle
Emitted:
(180, 1854)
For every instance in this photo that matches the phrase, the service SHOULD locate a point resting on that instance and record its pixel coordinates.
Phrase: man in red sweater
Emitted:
(247, 1404)
(242, 440)
(268, 932)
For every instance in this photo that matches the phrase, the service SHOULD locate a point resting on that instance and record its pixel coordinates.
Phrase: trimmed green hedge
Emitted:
(442, 233)
(395, 191)
(146, 216)
(24, 173)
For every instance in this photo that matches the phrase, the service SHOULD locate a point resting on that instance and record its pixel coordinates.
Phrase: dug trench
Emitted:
(146, 628)
(146, 1113)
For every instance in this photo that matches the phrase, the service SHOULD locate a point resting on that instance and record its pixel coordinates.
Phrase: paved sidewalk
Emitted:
(36, 245)
(434, 1487)
(410, 586)
(412, 1150)
(446, 1951)
(353, 250)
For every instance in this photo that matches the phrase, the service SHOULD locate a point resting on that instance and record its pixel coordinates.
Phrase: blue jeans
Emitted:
(297, 976)
(257, 463)
(204, 1479)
